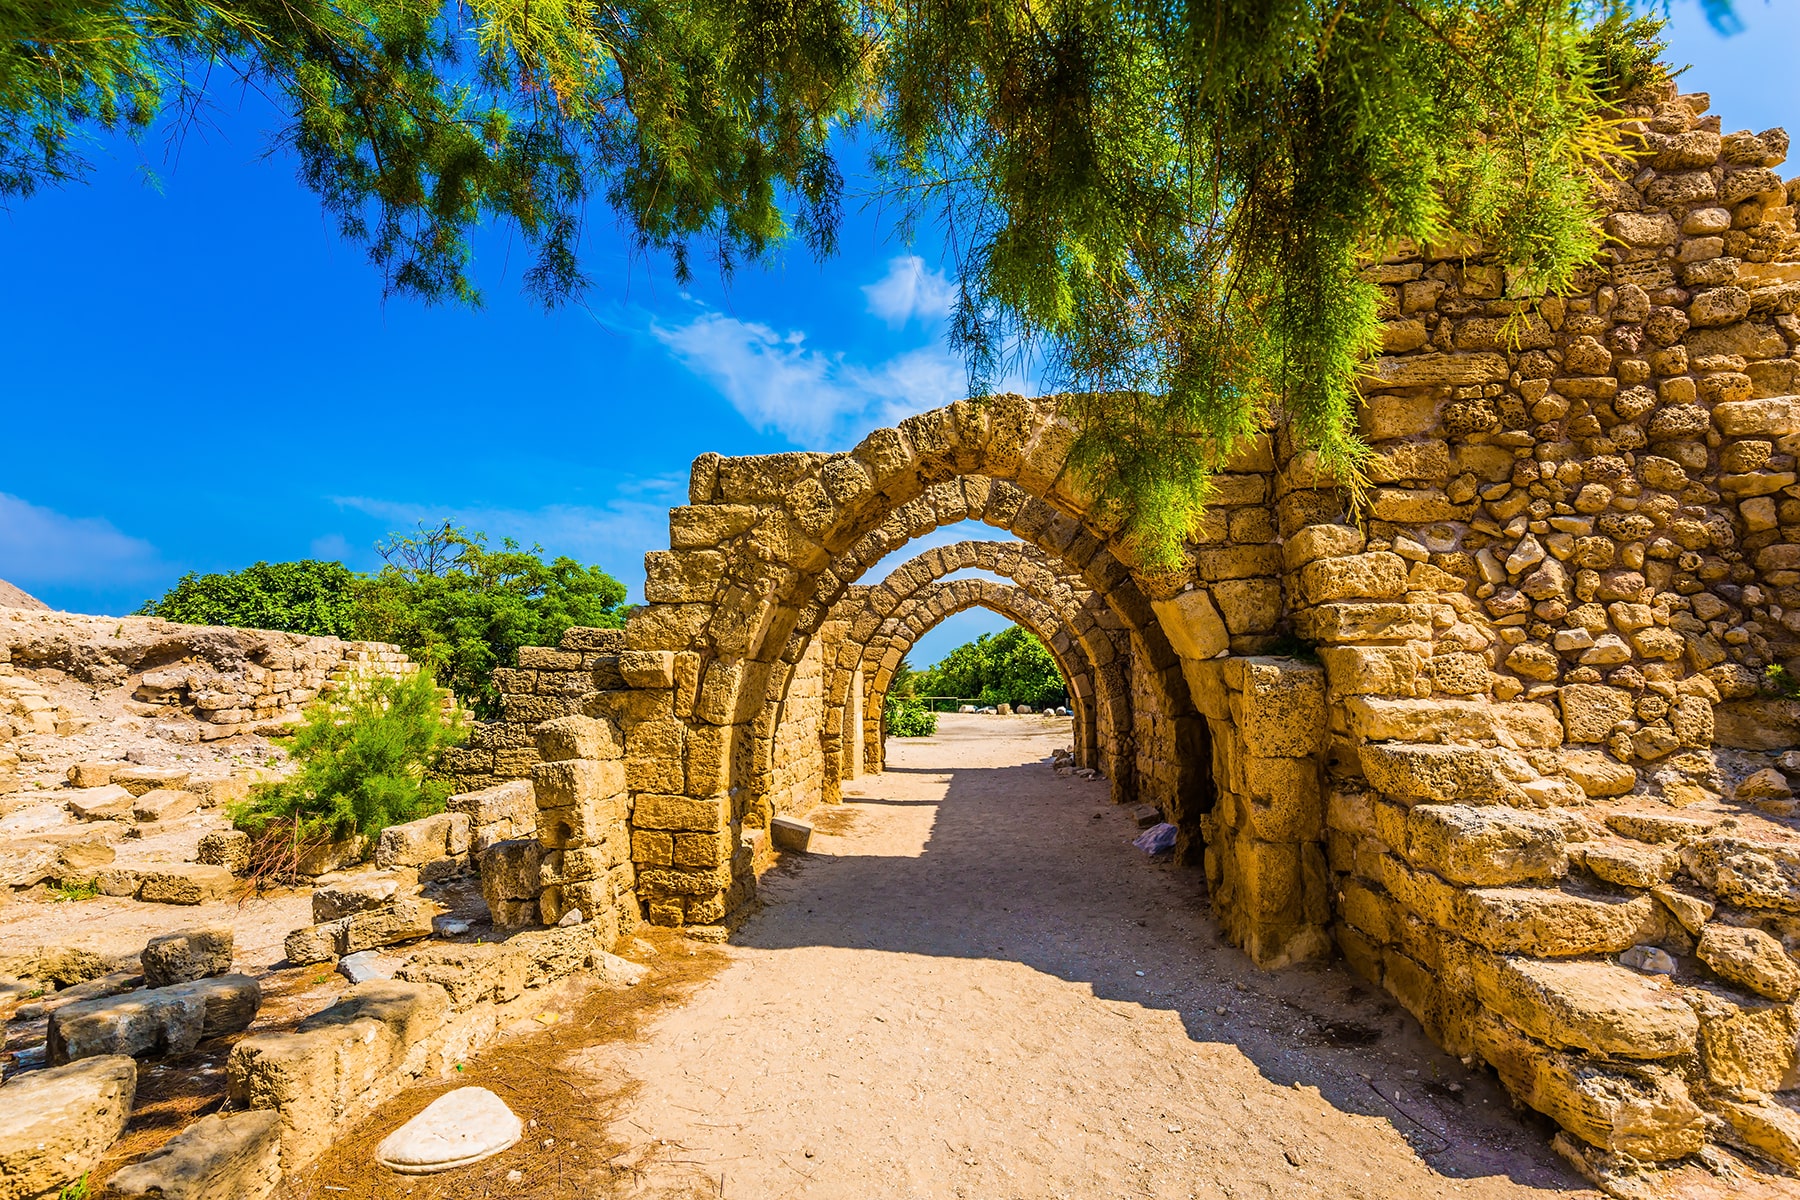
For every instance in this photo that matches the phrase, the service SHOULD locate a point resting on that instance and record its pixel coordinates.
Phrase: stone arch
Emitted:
(1102, 715)
(922, 611)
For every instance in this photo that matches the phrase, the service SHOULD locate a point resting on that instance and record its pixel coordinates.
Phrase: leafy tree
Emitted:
(310, 597)
(1009, 667)
(1169, 203)
(462, 609)
(363, 759)
(452, 604)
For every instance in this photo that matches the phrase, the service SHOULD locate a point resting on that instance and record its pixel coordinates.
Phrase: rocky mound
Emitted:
(12, 597)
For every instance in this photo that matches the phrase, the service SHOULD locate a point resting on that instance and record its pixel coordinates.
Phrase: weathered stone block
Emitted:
(1546, 923)
(596, 738)
(680, 812)
(150, 1022)
(1640, 1111)
(510, 801)
(106, 802)
(56, 1124)
(1590, 711)
(1434, 773)
(1365, 622)
(185, 883)
(577, 781)
(164, 804)
(1192, 624)
(416, 842)
(188, 955)
(1376, 576)
(1487, 846)
(228, 848)
(471, 974)
(1751, 959)
(1283, 705)
(1593, 1006)
(225, 1156)
(1744, 1044)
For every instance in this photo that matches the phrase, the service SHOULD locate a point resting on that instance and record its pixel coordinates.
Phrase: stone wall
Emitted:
(799, 758)
(229, 679)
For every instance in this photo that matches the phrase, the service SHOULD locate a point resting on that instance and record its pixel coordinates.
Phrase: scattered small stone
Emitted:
(1649, 960)
(363, 966)
(786, 833)
(572, 917)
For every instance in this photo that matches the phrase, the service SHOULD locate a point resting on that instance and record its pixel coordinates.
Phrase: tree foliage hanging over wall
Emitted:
(1165, 203)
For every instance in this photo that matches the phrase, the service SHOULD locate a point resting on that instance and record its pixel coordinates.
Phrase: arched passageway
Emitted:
(1100, 695)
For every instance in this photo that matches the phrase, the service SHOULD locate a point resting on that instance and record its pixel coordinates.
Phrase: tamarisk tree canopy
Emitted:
(1164, 204)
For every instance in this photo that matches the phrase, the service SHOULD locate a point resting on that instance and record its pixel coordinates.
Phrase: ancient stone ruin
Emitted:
(1514, 741)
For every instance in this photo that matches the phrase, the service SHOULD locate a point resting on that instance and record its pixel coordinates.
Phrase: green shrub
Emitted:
(362, 759)
(310, 597)
(907, 716)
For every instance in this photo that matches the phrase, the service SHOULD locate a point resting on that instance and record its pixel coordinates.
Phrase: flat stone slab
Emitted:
(154, 1021)
(188, 955)
(458, 1128)
(235, 1156)
(785, 833)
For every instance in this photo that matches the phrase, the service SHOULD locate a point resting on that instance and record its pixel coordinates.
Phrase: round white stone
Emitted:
(456, 1129)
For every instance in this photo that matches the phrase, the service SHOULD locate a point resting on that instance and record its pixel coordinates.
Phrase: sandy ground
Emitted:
(976, 987)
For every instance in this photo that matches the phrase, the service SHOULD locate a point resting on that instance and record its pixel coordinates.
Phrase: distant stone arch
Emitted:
(1102, 731)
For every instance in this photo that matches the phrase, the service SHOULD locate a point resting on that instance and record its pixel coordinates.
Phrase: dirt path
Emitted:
(976, 987)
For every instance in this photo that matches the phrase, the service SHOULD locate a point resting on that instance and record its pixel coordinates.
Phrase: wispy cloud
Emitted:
(42, 546)
(777, 382)
(614, 535)
(910, 291)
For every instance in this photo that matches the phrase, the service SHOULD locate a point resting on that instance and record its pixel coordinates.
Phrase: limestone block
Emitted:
(92, 774)
(1597, 774)
(1375, 576)
(554, 953)
(1435, 370)
(56, 1124)
(358, 893)
(1591, 711)
(648, 668)
(1593, 1006)
(1547, 923)
(1321, 541)
(1769, 1126)
(225, 1156)
(188, 955)
(103, 802)
(153, 1021)
(1740, 871)
(1744, 1043)
(1416, 506)
(165, 804)
(1248, 605)
(1365, 622)
(1283, 705)
(1486, 846)
(1522, 724)
(693, 813)
(1644, 1112)
(1435, 773)
(1192, 624)
(140, 780)
(1775, 416)
(1371, 670)
(326, 857)
(229, 1003)
(1630, 864)
(583, 737)
(228, 848)
(185, 883)
(576, 781)
(406, 920)
(416, 842)
(1751, 959)
(471, 974)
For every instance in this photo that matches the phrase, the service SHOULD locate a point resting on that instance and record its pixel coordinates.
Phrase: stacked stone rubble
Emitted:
(583, 832)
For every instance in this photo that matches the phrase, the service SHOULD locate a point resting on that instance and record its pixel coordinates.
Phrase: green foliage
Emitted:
(1783, 682)
(70, 891)
(1167, 205)
(1009, 667)
(362, 759)
(310, 597)
(907, 716)
(452, 604)
(76, 1190)
(461, 609)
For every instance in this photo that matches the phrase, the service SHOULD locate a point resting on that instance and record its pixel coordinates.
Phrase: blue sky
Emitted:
(200, 374)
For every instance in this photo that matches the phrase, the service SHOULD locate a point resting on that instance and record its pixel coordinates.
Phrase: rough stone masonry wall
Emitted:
(1545, 644)
(229, 679)
(799, 754)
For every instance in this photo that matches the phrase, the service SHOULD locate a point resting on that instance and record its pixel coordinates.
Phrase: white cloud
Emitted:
(42, 546)
(909, 291)
(613, 536)
(333, 547)
(777, 382)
